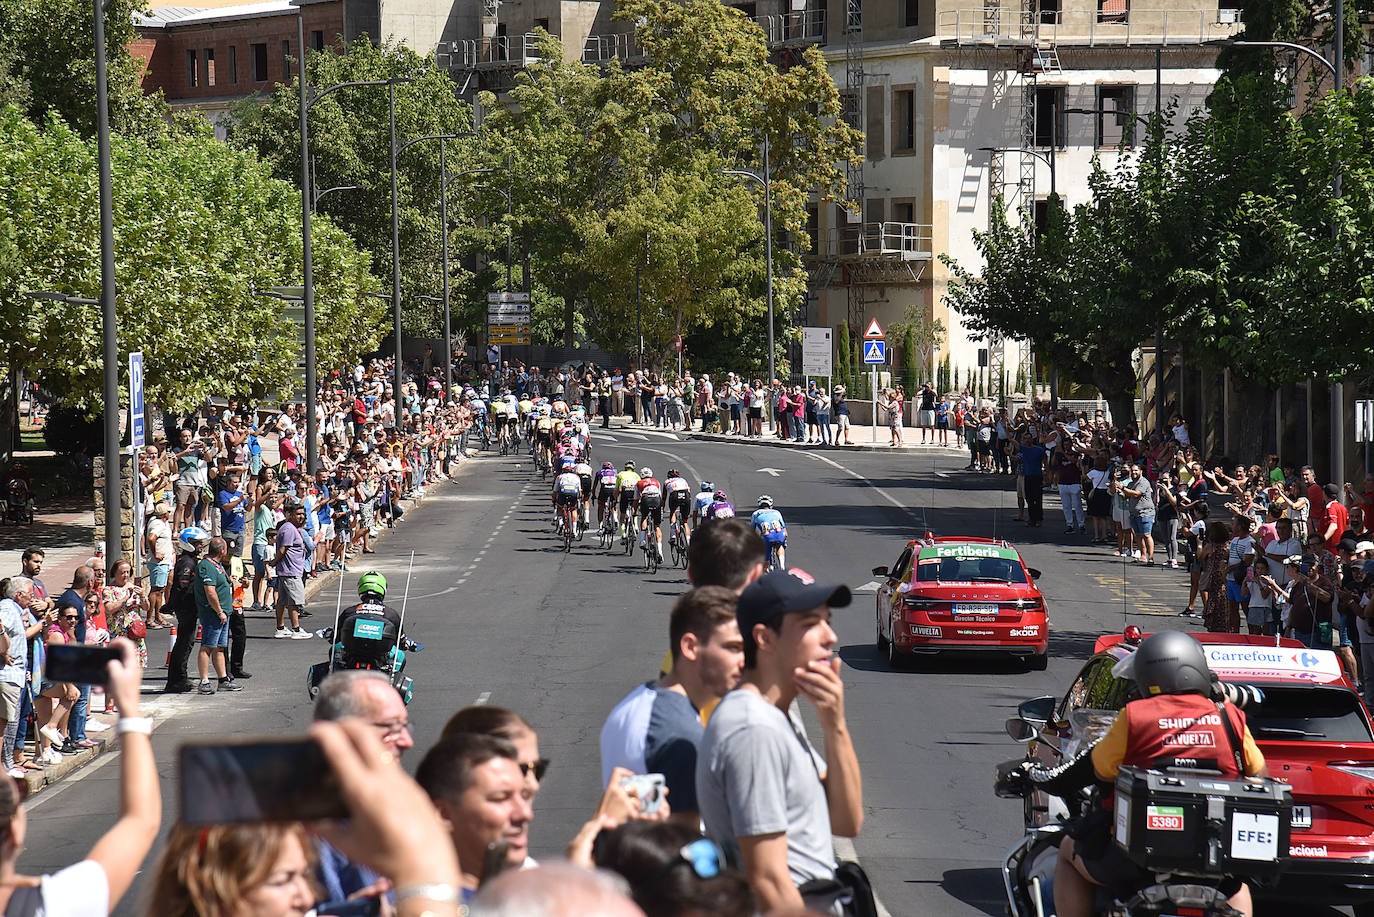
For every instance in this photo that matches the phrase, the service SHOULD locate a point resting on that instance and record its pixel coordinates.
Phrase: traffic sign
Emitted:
(875, 351)
(875, 330)
(677, 343)
(137, 423)
(1364, 421)
(508, 298)
(500, 339)
(507, 329)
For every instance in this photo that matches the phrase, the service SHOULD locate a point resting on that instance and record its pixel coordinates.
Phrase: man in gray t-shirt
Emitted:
(764, 792)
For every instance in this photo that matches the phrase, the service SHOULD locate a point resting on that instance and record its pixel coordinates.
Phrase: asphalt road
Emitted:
(508, 619)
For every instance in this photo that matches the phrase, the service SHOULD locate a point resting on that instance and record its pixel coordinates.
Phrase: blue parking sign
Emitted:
(137, 429)
(875, 352)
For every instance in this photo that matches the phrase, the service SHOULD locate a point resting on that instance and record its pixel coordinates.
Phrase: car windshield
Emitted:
(970, 569)
(1308, 714)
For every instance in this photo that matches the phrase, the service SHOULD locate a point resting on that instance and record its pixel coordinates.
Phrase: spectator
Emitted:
(657, 727)
(1070, 478)
(158, 543)
(841, 410)
(233, 507)
(926, 414)
(556, 890)
(475, 783)
(728, 553)
(1031, 464)
(1217, 614)
(289, 562)
(673, 871)
(765, 794)
(500, 723)
(32, 565)
(820, 402)
(244, 870)
(18, 594)
(182, 603)
(1100, 501)
(264, 519)
(123, 608)
(214, 601)
(53, 706)
(1142, 508)
(1335, 517)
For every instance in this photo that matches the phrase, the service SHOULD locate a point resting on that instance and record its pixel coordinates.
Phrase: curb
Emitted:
(770, 440)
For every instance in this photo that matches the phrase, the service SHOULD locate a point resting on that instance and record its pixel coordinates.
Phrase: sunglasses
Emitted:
(71, 617)
(539, 767)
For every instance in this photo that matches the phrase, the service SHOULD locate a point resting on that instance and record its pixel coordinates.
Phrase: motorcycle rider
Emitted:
(190, 547)
(1170, 724)
(367, 632)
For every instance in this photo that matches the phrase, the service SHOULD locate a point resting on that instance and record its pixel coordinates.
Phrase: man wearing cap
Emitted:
(764, 792)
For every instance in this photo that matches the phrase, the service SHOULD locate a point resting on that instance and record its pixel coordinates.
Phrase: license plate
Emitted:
(1302, 817)
(975, 609)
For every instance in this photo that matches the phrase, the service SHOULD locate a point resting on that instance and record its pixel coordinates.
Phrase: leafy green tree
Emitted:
(350, 145)
(197, 226)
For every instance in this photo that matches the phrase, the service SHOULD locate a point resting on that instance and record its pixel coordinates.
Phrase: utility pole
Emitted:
(307, 260)
(1337, 389)
(443, 232)
(114, 547)
(396, 401)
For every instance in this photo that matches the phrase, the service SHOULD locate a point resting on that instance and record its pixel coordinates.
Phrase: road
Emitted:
(507, 619)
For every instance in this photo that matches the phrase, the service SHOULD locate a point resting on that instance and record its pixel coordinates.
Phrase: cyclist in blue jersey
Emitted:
(701, 501)
(768, 522)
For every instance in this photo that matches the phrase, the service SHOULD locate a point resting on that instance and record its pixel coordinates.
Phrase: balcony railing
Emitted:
(601, 49)
(992, 25)
(899, 241)
(497, 51)
(802, 27)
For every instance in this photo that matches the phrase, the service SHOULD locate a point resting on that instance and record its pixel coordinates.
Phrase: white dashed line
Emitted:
(482, 698)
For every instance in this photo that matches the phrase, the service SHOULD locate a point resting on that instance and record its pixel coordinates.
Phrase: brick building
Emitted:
(209, 58)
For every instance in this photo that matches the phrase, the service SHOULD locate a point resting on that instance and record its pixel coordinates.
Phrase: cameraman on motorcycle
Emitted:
(367, 632)
(1173, 723)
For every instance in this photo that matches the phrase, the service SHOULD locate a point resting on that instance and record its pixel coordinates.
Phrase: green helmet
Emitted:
(372, 583)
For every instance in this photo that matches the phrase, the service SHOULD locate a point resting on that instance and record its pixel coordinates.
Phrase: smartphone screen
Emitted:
(79, 664)
(257, 781)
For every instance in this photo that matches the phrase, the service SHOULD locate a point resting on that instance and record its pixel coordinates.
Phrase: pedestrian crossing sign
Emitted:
(875, 352)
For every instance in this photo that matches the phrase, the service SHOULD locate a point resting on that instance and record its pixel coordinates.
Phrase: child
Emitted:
(1259, 615)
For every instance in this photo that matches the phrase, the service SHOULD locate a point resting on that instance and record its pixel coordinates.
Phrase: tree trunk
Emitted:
(1251, 415)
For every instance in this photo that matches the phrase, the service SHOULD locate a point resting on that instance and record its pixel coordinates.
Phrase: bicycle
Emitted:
(627, 536)
(569, 526)
(607, 532)
(677, 543)
(650, 549)
(773, 548)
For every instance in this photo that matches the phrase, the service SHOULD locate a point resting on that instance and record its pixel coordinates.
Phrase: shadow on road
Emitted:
(1072, 644)
(980, 888)
(868, 658)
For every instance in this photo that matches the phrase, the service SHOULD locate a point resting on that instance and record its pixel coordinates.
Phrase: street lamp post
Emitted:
(766, 181)
(445, 181)
(110, 339)
(1337, 390)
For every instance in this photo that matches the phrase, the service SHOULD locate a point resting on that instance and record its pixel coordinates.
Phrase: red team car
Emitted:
(970, 595)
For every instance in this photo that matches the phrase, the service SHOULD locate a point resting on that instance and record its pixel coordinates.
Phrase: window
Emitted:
(876, 123)
(1049, 12)
(903, 212)
(1117, 11)
(1040, 215)
(286, 60)
(317, 39)
(813, 225)
(750, 10)
(233, 63)
(192, 70)
(259, 62)
(903, 120)
(1115, 130)
(210, 76)
(911, 13)
(1049, 116)
(542, 24)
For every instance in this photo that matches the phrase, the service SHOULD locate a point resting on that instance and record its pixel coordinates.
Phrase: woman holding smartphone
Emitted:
(53, 706)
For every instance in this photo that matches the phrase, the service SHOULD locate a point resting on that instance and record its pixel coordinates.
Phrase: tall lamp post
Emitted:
(766, 182)
(444, 181)
(109, 335)
(1337, 68)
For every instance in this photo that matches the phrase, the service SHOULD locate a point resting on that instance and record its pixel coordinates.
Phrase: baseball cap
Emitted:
(1364, 546)
(784, 591)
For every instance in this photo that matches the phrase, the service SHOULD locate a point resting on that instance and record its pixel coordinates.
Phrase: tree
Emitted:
(197, 225)
(350, 145)
(844, 357)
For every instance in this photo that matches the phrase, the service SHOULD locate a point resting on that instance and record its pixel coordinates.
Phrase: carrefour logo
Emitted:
(1307, 660)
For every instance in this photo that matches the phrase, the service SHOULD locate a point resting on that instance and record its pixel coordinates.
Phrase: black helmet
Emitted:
(1171, 662)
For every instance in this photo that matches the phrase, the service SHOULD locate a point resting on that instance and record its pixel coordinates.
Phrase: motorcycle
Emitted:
(1028, 868)
(371, 655)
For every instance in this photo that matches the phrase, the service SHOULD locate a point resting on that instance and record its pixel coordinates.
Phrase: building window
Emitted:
(1117, 129)
(317, 39)
(542, 24)
(876, 123)
(911, 13)
(1049, 11)
(1117, 11)
(1040, 215)
(233, 63)
(192, 70)
(751, 10)
(210, 76)
(903, 212)
(286, 60)
(903, 121)
(1049, 116)
(259, 63)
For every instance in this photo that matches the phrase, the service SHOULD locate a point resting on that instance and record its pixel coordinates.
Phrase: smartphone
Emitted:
(257, 781)
(649, 788)
(495, 861)
(79, 664)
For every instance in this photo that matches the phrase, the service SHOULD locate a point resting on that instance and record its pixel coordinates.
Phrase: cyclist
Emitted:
(512, 416)
(768, 522)
(478, 406)
(584, 474)
(565, 456)
(719, 508)
(498, 418)
(605, 490)
(625, 489)
(679, 498)
(567, 491)
(543, 436)
(1177, 717)
(701, 501)
(649, 507)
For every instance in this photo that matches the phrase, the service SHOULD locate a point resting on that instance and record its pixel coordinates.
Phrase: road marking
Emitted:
(870, 586)
(672, 455)
(771, 472)
(435, 595)
(482, 698)
(918, 519)
(844, 850)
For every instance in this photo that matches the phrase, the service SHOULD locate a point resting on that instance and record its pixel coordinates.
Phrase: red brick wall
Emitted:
(164, 52)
